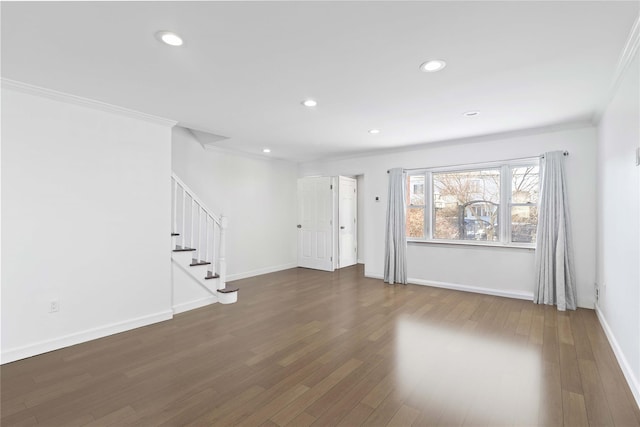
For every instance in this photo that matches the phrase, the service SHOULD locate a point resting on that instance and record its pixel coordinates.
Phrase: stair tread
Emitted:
(228, 290)
(193, 264)
(182, 249)
(209, 276)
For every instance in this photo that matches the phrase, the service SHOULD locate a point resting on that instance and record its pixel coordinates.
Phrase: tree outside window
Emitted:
(466, 204)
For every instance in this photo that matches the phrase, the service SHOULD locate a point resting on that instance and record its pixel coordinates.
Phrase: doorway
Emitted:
(347, 221)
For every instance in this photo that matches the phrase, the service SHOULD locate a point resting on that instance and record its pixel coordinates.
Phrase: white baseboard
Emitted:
(192, 305)
(18, 353)
(633, 382)
(246, 274)
(466, 288)
(360, 261)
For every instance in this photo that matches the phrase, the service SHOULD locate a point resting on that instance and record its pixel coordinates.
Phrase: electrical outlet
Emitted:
(54, 306)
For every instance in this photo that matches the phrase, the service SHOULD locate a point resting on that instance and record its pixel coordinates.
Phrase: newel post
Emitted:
(224, 222)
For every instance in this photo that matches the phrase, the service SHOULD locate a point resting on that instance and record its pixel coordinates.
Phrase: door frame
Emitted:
(336, 221)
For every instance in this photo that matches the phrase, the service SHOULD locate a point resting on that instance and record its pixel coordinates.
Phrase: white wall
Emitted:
(618, 258)
(257, 195)
(496, 270)
(85, 221)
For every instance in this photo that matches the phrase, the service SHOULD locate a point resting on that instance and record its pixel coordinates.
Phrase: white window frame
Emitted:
(504, 213)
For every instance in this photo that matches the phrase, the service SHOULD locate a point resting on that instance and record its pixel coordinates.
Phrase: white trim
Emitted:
(360, 261)
(633, 382)
(626, 57)
(45, 346)
(85, 102)
(470, 243)
(559, 127)
(466, 288)
(259, 271)
(192, 305)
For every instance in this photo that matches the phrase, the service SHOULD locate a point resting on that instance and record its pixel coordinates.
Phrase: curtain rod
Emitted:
(566, 153)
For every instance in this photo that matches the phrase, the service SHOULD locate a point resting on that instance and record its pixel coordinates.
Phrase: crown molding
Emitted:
(518, 133)
(626, 57)
(85, 102)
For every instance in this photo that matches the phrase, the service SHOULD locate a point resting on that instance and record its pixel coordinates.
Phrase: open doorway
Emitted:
(347, 221)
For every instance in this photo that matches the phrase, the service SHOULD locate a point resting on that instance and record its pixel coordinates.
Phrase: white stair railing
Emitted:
(198, 228)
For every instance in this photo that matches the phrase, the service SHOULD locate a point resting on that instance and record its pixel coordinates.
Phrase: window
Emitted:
(525, 184)
(470, 204)
(415, 206)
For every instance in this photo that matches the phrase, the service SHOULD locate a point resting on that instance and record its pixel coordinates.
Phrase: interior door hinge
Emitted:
(331, 187)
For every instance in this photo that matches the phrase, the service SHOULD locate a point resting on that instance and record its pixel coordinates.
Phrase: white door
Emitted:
(347, 214)
(315, 208)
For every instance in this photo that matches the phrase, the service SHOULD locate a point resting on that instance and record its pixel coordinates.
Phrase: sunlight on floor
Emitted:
(460, 375)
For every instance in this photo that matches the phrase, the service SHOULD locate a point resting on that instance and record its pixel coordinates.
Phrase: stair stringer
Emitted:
(190, 289)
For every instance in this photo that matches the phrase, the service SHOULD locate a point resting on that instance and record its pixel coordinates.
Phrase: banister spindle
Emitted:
(199, 248)
(183, 231)
(193, 206)
(222, 254)
(206, 238)
(175, 206)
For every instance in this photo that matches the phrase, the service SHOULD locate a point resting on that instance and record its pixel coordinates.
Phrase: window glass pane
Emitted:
(466, 205)
(525, 184)
(415, 190)
(524, 223)
(415, 222)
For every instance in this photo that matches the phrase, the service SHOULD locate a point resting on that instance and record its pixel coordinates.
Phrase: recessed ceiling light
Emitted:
(471, 113)
(433, 66)
(309, 103)
(374, 131)
(167, 37)
(266, 150)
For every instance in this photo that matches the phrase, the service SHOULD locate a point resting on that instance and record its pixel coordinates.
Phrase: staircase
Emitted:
(198, 242)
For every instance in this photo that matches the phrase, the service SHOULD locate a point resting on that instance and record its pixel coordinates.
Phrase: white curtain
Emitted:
(395, 251)
(555, 275)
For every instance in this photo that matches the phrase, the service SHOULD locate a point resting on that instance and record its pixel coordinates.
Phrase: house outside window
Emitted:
(465, 205)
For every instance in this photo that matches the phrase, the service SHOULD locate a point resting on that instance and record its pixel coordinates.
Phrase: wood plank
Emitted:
(594, 396)
(405, 416)
(575, 412)
(287, 414)
(356, 416)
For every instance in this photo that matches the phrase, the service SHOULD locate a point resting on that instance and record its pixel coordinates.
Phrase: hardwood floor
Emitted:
(304, 347)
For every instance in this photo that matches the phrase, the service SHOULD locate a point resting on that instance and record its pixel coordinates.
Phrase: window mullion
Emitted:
(505, 204)
(428, 206)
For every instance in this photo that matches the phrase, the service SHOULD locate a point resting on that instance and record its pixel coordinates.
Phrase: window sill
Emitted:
(470, 243)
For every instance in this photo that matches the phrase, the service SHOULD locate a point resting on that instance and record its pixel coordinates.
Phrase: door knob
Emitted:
(342, 227)
(299, 226)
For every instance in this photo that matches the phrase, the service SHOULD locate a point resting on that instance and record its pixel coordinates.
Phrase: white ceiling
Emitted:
(246, 66)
